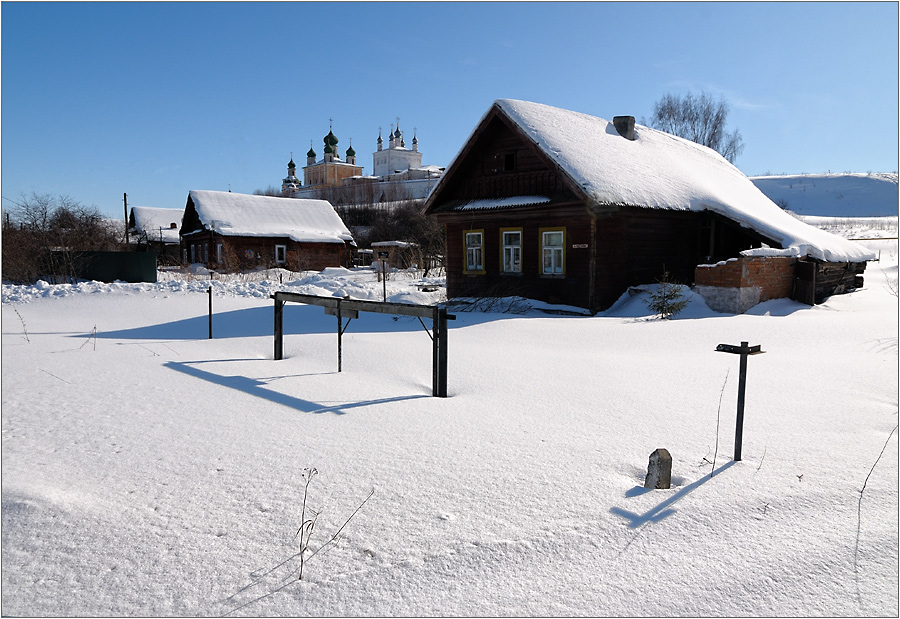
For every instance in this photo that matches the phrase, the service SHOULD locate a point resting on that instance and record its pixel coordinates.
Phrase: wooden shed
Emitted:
(569, 208)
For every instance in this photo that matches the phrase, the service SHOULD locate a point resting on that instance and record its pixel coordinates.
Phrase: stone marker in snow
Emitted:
(659, 472)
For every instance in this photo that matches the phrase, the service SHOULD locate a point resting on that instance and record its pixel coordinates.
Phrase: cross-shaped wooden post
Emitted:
(744, 350)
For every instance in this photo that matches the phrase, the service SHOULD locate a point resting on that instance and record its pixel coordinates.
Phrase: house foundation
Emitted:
(737, 284)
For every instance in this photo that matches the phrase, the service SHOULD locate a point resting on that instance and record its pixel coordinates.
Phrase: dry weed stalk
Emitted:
(308, 524)
(23, 324)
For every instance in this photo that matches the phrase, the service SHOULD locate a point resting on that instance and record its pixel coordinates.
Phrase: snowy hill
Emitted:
(833, 195)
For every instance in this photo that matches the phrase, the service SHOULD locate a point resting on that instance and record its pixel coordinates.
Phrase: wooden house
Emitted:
(156, 229)
(238, 231)
(572, 209)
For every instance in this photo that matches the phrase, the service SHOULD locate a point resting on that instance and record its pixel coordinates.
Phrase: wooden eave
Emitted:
(190, 217)
(749, 231)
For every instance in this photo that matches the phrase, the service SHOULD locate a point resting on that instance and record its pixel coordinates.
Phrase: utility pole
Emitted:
(125, 199)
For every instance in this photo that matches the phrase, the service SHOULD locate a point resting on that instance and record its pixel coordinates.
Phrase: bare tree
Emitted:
(44, 235)
(406, 222)
(271, 190)
(699, 119)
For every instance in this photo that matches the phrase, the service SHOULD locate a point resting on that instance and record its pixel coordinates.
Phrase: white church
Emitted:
(397, 158)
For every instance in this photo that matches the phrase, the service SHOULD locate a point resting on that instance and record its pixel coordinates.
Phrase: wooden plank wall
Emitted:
(837, 278)
(572, 289)
(486, 174)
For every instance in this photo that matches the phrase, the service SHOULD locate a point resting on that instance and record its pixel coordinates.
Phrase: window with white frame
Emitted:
(475, 251)
(280, 254)
(511, 241)
(219, 253)
(553, 251)
(193, 254)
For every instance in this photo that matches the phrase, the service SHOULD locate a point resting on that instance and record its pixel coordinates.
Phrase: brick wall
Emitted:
(752, 279)
(727, 274)
(774, 275)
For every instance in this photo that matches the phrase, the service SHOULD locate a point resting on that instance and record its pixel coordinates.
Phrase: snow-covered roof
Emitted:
(303, 220)
(155, 222)
(661, 171)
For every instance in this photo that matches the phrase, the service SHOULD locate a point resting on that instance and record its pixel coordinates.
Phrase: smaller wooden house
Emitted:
(156, 229)
(397, 254)
(238, 231)
(568, 208)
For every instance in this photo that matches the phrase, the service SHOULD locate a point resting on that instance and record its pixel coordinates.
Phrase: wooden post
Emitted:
(744, 350)
(439, 353)
(742, 387)
(209, 291)
(435, 349)
(279, 328)
(339, 321)
(442, 353)
(125, 199)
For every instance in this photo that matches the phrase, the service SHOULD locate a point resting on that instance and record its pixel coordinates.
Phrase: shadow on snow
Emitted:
(657, 513)
(307, 319)
(257, 388)
(298, 320)
(260, 321)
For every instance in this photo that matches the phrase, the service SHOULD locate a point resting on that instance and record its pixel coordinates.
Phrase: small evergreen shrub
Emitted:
(667, 300)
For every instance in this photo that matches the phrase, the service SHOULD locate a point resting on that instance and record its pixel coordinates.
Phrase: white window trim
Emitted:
(477, 250)
(558, 255)
(283, 259)
(517, 248)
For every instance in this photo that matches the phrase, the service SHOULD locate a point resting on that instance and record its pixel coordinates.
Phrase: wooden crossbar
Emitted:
(349, 308)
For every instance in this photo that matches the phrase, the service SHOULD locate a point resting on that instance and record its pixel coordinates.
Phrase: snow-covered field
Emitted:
(149, 470)
(830, 195)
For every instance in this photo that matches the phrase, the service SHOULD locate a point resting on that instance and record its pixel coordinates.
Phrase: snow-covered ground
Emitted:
(149, 470)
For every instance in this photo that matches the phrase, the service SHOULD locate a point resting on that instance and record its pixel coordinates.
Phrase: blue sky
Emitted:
(156, 99)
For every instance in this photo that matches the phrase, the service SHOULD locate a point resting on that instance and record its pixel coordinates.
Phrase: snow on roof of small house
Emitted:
(157, 222)
(662, 171)
(394, 244)
(237, 214)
